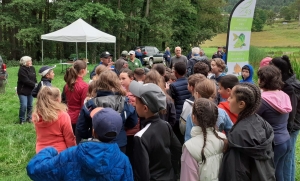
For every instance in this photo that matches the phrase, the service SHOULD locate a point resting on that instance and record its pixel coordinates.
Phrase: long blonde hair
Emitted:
(48, 105)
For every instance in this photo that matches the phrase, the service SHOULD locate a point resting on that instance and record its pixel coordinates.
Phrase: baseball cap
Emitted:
(124, 52)
(151, 95)
(131, 52)
(45, 69)
(105, 54)
(107, 123)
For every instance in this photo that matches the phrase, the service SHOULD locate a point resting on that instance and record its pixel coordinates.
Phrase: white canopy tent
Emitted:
(79, 31)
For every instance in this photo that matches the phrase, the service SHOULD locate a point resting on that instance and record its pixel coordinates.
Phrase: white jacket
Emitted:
(213, 152)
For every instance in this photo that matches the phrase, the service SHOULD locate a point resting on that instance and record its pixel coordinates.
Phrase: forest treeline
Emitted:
(134, 23)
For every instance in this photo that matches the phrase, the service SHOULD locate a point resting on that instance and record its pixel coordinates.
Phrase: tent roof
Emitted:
(79, 31)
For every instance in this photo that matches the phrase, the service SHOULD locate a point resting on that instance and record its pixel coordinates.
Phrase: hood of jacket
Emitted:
(278, 100)
(254, 137)
(97, 158)
(251, 72)
(199, 58)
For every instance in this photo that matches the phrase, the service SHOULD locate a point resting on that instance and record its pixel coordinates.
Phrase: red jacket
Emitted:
(75, 99)
(225, 106)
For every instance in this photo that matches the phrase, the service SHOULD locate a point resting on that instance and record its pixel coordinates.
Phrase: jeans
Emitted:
(289, 164)
(280, 152)
(25, 106)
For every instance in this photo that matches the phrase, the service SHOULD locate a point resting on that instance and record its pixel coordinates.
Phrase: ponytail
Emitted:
(72, 73)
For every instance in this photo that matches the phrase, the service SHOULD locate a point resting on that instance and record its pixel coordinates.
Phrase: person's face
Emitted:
(214, 68)
(190, 88)
(224, 50)
(132, 56)
(29, 63)
(220, 49)
(106, 60)
(245, 73)
(125, 80)
(125, 65)
(178, 51)
(140, 107)
(225, 93)
(138, 50)
(84, 71)
(50, 75)
(235, 106)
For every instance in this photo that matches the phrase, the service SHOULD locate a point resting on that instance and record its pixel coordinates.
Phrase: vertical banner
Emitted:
(239, 34)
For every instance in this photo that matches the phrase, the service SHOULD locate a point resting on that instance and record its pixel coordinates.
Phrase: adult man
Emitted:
(105, 59)
(197, 55)
(133, 62)
(178, 57)
(219, 53)
(224, 56)
(139, 55)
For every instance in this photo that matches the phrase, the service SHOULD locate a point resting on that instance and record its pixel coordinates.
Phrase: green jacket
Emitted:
(135, 64)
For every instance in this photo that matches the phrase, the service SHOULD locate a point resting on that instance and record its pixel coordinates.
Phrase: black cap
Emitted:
(105, 54)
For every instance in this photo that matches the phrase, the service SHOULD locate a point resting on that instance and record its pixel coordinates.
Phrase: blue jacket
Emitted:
(84, 123)
(179, 93)
(250, 78)
(224, 123)
(91, 160)
(166, 56)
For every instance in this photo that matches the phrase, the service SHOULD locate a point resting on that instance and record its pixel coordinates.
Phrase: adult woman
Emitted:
(75, 90)
(26, 83)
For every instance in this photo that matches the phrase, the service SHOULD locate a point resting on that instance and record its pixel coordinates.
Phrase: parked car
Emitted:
(3, 76)
(152, 55)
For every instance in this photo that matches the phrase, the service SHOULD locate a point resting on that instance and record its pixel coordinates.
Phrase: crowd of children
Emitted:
(163, 125)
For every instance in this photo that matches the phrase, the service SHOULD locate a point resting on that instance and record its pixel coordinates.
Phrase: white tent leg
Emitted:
(76, 51)
(85, 50)
(42, 52)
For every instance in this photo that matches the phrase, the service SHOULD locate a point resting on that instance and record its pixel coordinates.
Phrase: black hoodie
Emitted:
(250, 153)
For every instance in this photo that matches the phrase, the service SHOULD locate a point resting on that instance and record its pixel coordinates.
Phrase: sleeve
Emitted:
(260, 111)
(23, 77)
(172, 91)
(176, 147)
(189, 167)
(128, 171)
(292, 114)
(228, 123)
(189, 125)
(67, 130)
(83, 94)
(189, 67)
(172, 114)
(140, 160)
(40, 166)
(36, 90)
(63, 95)
(92, 74)
(84, 125)
(131, 116)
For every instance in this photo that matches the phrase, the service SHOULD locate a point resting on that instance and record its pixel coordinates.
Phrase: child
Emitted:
(52, 122)
(250, 152)
(264, 62)
(217, 68)
(75, 90)
(247, 74)
(275, 107)
(108, 92)
(179, 93)
(47, 74)
(202, 154)
(187, 105)
(226, 84)
(160, 68)
(207, 89)
(96, 159)
(99, 69)
(170, 114)
(155, 146)
(202, 68)
(139, 75)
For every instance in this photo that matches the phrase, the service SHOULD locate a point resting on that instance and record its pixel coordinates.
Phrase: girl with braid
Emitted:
(250, 152)
(202, 154)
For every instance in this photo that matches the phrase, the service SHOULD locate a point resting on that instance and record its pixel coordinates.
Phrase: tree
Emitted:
(259, 20)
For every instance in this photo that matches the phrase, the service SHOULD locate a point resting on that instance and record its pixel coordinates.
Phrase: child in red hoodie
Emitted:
(226, 84)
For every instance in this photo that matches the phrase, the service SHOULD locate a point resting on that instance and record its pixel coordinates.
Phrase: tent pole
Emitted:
(76, 51)
(42, 52)
(85, 50)
(115, 52)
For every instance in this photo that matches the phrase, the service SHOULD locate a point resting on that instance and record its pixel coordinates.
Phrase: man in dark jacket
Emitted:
(47, 74)
(197, 56)
(219, 53)
(139, 54)
(155, 145)
(105, 59)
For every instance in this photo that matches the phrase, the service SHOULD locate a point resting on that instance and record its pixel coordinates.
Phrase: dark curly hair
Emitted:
(270, 78)
(206, 115)
(251, 95)
(284, 64)
(180, 68)
(201, 68)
